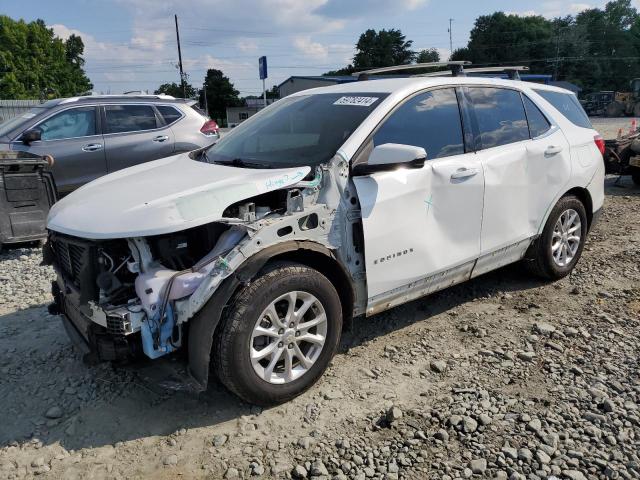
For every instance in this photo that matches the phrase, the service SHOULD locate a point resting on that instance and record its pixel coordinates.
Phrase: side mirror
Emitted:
(391, 156)
(32, 135)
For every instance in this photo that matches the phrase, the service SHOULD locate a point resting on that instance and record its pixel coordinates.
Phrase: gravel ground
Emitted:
(503, 377)
(608, 127)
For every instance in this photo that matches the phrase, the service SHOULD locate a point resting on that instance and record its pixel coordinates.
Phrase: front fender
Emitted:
(203, 325)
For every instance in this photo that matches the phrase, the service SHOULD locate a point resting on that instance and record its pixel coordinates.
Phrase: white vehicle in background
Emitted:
(331, 203)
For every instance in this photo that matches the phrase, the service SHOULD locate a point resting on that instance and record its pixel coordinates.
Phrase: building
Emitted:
(298, 83)
(237, 115)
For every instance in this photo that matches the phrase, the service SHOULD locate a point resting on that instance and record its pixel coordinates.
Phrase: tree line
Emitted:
(34, 63)
(597, 49)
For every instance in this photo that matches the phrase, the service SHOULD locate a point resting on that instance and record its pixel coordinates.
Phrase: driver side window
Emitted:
(430, 120)
(72, 123)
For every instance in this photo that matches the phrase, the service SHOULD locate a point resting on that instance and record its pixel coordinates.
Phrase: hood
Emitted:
(163, 196)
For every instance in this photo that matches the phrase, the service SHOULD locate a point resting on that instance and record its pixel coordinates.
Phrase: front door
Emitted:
(421, 226)
(134, 134)
(72, 137)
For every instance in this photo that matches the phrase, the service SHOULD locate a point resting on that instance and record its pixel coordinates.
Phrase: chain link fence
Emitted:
(14, 108)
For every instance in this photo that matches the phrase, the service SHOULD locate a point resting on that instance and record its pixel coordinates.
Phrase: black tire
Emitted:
(539, 259)
(635, 175)
(231, 346)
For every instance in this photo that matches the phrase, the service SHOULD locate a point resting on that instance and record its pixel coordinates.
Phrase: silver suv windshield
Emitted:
(295, 131)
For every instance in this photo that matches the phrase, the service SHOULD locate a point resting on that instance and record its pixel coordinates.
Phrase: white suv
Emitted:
(348, 200)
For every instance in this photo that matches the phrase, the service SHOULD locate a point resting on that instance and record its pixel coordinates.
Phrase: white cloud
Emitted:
(247, 45)
(556, 8)
(310, 48)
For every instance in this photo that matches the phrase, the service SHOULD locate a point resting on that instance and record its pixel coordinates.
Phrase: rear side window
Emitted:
(130, 118)
(500, 116)
(430, 120)
(538, 123)
(568, 105)
(170, 114)
(72, 123)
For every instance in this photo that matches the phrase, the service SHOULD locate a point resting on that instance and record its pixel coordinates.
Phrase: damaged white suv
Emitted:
(250, 256)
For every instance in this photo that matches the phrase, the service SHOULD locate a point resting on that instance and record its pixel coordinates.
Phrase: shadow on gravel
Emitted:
(511, 278)
(616, 186)
(105, 404)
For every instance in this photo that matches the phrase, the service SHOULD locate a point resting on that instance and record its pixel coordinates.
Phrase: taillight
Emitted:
(599, 141)
(209, 128)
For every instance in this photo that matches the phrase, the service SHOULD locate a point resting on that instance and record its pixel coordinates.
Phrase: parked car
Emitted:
(331, 203)
(95, 135)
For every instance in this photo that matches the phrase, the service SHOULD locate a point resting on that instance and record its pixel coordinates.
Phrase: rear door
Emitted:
(134, 134)
(525, 162)
(72, 137)
(421, 225)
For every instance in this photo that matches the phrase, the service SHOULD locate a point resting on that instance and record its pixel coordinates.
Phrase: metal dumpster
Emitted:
(27, 191)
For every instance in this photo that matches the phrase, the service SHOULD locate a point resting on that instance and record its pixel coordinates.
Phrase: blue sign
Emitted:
(262, 64)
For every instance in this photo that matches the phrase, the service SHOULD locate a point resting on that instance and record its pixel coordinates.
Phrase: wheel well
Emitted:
(330, 268)
(585, 197)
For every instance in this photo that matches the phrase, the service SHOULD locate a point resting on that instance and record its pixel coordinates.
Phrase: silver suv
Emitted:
(91, 136)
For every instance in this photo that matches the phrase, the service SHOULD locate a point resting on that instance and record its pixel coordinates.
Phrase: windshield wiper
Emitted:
(239, 162)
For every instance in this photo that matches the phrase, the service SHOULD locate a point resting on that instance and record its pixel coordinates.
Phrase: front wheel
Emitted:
(555, 253)
(278, 335)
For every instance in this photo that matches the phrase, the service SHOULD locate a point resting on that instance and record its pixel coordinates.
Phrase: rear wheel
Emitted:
(279, 335)
(555, 253)
(635, 175)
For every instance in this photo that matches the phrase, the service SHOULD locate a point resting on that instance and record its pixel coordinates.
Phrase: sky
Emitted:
(131, 44)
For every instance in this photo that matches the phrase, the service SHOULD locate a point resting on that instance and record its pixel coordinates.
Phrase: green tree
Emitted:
(382, 49)
(175, 90)
(34, 63)
(598, 49)
(379, 49)
(220, 94)
(428, 55)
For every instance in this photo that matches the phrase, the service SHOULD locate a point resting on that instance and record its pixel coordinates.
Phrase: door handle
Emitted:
(92, 147)
(553, 150)
(464, 173)
(161, 138)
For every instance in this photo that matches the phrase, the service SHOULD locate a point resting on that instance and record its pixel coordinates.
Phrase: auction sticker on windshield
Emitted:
(359, 101)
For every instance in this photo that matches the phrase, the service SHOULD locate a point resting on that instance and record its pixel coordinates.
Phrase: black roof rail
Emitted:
(512, 71)
(456, 67)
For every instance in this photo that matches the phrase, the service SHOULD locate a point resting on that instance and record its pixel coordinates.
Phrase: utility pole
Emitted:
(182, 82)
(450, 38)
(555, 68)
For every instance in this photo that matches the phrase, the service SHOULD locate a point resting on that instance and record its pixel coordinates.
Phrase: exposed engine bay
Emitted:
(133, 296)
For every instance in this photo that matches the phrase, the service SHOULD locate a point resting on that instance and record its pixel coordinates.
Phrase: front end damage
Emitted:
(150, 296)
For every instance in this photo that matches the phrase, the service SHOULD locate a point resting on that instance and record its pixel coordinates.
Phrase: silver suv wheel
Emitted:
(566, 237)
(288, 337)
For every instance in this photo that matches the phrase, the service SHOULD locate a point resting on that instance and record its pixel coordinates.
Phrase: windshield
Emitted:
(8, 126)
(295, 131)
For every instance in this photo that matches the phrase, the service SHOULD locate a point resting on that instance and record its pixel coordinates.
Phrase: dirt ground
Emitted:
(502, 377)
(608, 127)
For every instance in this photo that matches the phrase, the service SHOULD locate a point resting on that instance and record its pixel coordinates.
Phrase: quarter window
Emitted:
(538, 123)
(568, 105)
(72, 123)
(430, 120)
(500, 116)
(170, 114)
(130, 118)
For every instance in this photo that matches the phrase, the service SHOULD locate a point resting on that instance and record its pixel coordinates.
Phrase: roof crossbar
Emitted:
(457, 68)
(512, 71)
